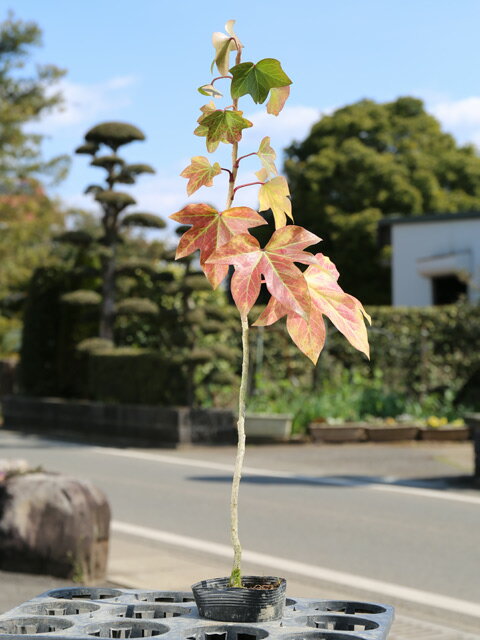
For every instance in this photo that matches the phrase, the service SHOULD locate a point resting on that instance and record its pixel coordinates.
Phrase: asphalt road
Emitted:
(397, 515)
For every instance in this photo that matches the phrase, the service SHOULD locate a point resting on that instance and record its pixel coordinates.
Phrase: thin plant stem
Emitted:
(249, 184)
(236, 576)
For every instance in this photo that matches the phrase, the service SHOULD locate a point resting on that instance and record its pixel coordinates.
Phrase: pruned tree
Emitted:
(113, 203)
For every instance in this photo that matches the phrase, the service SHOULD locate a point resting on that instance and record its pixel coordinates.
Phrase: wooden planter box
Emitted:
(385, 433)
(346, 432)
(445, 433)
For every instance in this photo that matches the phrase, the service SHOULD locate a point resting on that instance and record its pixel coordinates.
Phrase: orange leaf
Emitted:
(327, 298)
(210, 230)
(276, 263)
(200, 173)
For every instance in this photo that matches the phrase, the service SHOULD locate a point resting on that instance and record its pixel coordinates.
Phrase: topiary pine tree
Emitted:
(114, 204)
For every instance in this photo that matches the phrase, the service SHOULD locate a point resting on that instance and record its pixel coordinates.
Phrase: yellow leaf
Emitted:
(274, 195)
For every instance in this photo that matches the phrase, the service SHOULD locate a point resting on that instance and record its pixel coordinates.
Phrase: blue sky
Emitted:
(142, 61)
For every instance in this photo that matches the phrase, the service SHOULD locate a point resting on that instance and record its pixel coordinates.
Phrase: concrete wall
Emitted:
(120, 423)
(455, 243)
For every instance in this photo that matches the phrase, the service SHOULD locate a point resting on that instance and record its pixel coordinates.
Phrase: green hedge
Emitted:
(134, 376)
(418, 351)
(41, 328)
(51, 329)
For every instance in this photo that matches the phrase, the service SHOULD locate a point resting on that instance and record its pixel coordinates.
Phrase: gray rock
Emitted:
(55, 525)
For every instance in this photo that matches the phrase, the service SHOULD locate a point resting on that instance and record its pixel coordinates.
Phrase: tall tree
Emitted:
(28, 220)
(113, 204)
(369, 160)
(24, 98)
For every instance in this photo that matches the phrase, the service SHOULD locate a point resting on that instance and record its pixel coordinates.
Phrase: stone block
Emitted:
(55, 525)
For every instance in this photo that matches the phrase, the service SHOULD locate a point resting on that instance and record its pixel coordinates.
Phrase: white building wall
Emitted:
(424, 240)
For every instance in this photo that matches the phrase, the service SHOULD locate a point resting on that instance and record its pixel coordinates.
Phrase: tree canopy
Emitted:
(24, 98)
(369, 160)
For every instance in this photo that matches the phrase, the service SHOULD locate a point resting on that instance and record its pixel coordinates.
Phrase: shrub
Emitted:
(135, 376)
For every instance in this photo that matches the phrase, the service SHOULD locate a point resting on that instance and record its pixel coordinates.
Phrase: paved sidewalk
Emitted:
(150, 565)
(137, 563)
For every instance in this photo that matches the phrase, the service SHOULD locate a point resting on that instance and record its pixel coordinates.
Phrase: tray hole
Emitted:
(126, 629)
(164, 596)
(349, 608)
(33, 625)
(232, 632)
(322, 635)
(149, 611)
(341, 623)
(84, 593)
(58, 608)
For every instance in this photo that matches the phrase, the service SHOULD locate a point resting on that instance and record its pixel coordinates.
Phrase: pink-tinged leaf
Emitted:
(278, 97)
(342, 309)
(267, 157)
(200, 173)
(309, 335)
(291, 242)
(210, 230)
(273, 311)
(327, 298)
(274, 195)
(276, 263)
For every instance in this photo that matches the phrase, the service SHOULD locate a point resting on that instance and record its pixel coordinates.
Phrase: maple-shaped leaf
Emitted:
(257, 79)
(267, 156)
(278, 97)
(262, 174)
(225, 125)
(224, 44)
(274, 195)
(200, 173)
(276, 263)
(202, 130)
(209, 90)
(327, 298)
(210, 230)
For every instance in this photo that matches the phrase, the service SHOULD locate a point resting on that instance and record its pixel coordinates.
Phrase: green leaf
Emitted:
(225, 126)
(209, 90)
(257, 79)
(202, 130)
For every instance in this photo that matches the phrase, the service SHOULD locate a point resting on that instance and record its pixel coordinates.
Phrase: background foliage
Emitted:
(369, 160)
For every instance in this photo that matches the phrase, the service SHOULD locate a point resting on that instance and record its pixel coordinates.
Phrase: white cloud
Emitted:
(85, 102)
(459, 117)
(293, 123)
(462, 113)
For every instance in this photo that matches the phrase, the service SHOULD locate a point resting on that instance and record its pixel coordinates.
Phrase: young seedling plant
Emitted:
(223, 237)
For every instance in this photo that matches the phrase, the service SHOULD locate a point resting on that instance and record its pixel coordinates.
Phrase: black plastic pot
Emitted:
(217, 601)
